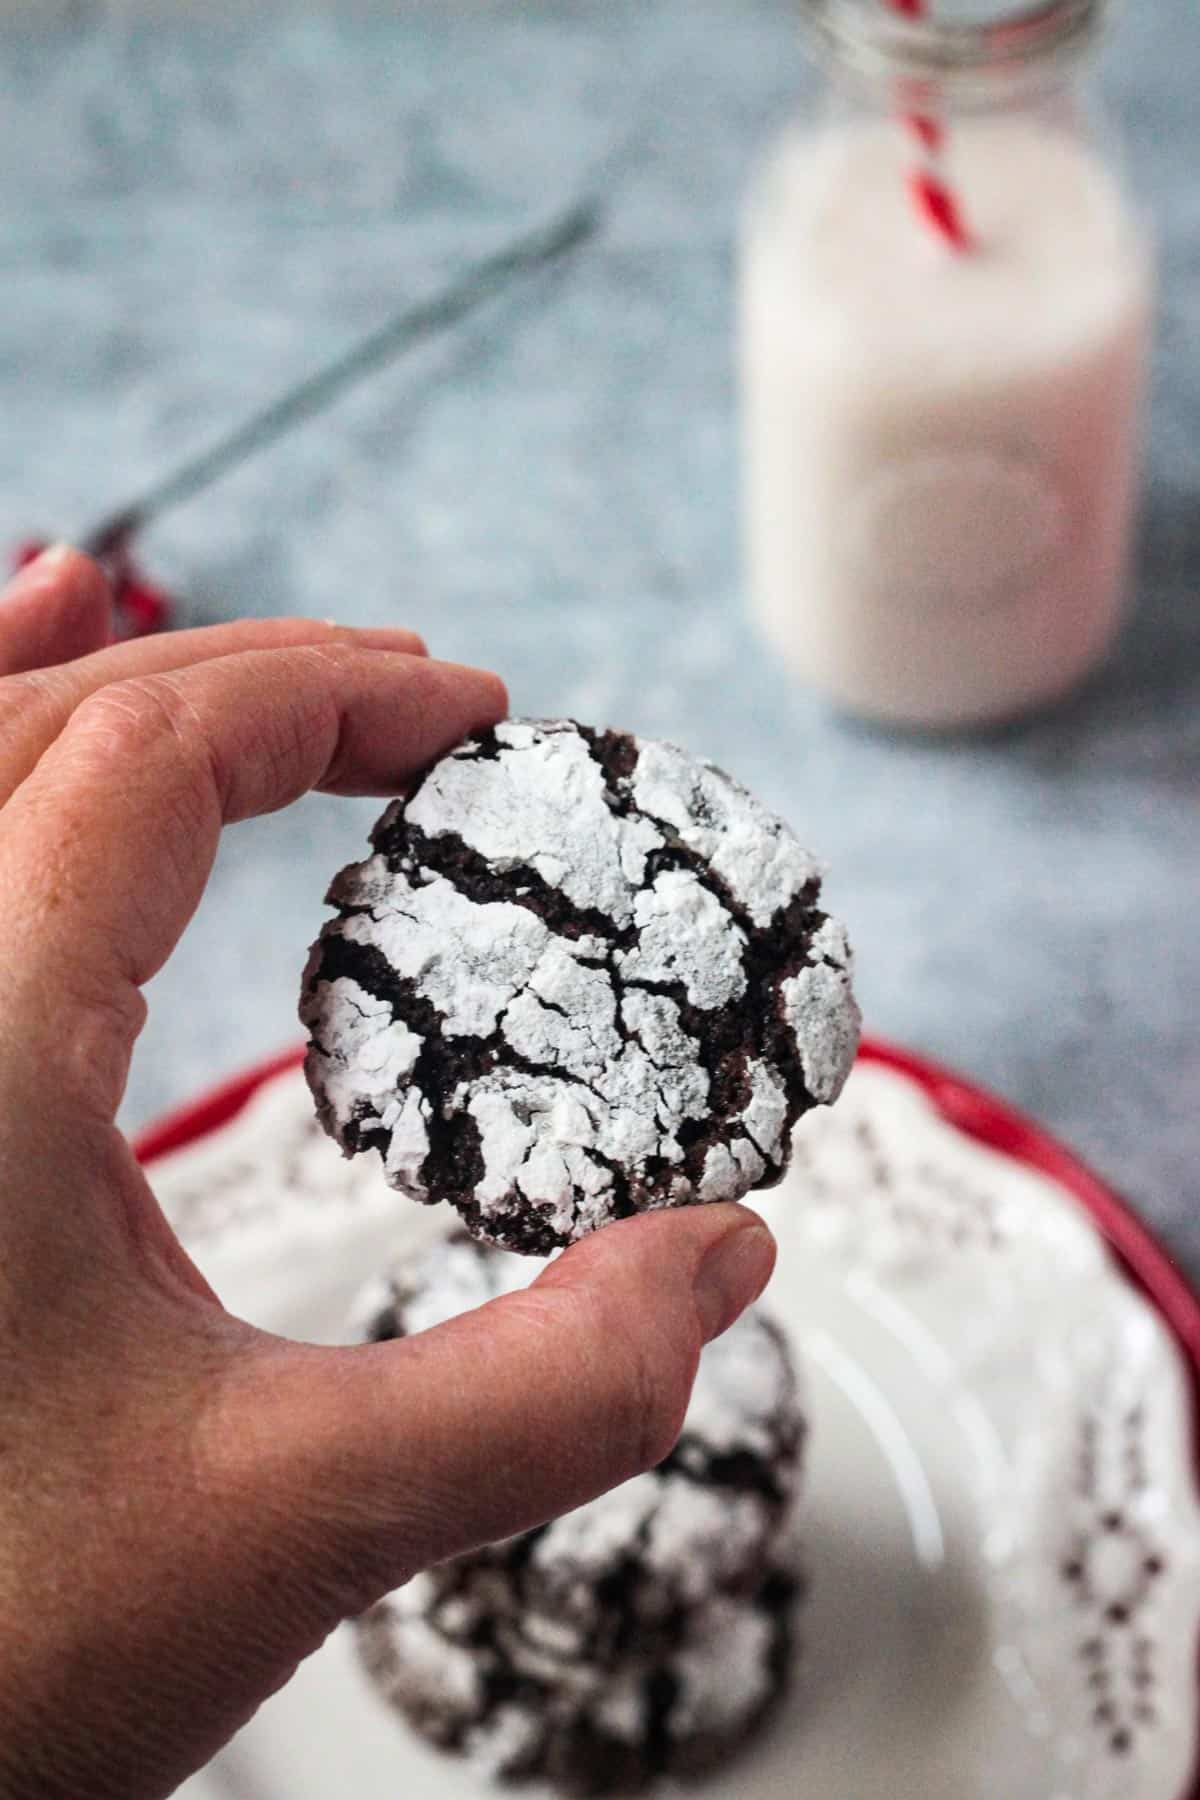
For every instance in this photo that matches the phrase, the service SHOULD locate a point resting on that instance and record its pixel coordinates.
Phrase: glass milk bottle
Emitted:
(945, 304)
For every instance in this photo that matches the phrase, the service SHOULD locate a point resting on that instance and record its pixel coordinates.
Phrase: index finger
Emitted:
(35, 706)
(107, 846)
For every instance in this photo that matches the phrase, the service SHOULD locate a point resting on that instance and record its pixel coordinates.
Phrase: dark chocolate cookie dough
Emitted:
(582, 975)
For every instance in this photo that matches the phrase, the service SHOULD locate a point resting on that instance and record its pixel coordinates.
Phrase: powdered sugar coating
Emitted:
(688, 1537)
(448, 1669)
(747, 1379)
(748, 848)
(377, 1051)
(588, 1728)
(817, 1002)
(450, 1278)
(468, 961)
(686, 936)
(723, 1671)
(600, 968)
(544, 807)
(505, 1743)
(408, 1143)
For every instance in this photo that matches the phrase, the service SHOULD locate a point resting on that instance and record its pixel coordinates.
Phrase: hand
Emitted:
(187, 1505)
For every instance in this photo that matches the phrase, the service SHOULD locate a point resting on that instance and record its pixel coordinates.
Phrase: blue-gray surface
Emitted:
(196, 213)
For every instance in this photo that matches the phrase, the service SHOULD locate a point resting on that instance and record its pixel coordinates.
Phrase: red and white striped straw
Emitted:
(934, 198)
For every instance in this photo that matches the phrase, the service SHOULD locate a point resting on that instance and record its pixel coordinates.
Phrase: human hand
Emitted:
(188, 1505)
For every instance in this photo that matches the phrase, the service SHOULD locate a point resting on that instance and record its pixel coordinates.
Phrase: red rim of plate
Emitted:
(971, 1110)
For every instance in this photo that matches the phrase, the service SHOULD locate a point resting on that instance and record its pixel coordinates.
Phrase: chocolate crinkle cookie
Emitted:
(582, 975)
(587, 1729)
(646, 1633)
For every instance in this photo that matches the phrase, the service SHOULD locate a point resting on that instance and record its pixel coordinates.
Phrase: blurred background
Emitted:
(198, 209)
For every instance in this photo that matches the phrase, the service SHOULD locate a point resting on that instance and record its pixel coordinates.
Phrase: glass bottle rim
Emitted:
(969, 58)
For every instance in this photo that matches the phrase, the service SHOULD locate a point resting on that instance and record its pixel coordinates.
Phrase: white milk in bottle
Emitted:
(941, 443)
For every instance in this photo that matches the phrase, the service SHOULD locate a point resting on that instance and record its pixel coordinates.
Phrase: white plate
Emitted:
(1000, 1518)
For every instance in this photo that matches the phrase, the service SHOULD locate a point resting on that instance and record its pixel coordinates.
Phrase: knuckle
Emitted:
(19, 692)
(133, 720)
(132, 713)
(31, 700)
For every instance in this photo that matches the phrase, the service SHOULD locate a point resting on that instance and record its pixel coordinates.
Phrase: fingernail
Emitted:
(39, 566)
(54, 555)
(383, 637)
(498, 704)
(732, 1275)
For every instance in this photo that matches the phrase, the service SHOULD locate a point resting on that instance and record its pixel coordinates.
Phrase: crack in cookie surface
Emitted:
(581, 975)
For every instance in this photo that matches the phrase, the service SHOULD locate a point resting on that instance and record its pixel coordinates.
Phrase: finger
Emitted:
(151, 769)
(394, 1456)
(34, 710)
(56, 609)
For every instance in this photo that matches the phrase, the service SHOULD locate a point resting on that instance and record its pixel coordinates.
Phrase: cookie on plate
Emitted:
(622, 1571)
(587, 1728)
(647, 1632)
(581, 975)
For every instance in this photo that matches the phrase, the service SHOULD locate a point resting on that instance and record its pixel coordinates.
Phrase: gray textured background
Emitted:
(196, 212)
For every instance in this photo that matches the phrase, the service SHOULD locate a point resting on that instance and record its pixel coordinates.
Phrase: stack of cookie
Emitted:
(645, 1634)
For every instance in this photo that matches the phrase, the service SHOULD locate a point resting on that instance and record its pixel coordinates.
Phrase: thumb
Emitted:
(390, 1457)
